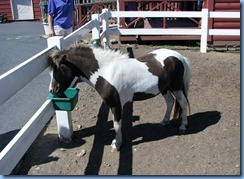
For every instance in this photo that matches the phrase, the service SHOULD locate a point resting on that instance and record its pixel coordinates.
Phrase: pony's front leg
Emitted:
(116, 143)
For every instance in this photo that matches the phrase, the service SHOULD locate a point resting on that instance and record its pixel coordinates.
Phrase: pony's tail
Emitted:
(186, 82)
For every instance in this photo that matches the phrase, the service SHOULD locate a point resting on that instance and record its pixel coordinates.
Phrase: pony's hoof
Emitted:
(113, 143)
(164, 123)
(115, 148)
(182, 131)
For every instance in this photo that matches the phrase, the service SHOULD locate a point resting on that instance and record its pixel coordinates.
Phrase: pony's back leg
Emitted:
(180, 97)
(169, 102)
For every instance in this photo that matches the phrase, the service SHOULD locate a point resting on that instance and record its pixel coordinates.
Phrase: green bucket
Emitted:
(65, 104)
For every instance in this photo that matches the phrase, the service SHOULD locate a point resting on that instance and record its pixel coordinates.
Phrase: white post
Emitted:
(118, 19)
(64, 121)
(105, 24)
(96, 29)
(65, 128)
(55, 40)
(204, 27)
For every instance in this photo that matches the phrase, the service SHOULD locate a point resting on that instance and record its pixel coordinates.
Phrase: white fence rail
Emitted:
(15, 79)
(203, 31)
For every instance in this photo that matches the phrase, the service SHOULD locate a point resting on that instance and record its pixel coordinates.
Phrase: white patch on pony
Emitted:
(117, 125)
(127, 75)
(116, 143)
(51, 82)
(162, 54)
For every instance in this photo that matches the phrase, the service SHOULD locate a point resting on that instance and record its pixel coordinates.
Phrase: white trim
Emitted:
(156, 31)
(155, 14)
(12, 11)
(224, 14)
(224, 32)
(30, 16)
(204, 31)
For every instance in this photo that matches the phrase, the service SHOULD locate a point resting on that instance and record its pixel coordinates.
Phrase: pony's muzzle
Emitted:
(58, 92)
(54, 90)
(54, 87)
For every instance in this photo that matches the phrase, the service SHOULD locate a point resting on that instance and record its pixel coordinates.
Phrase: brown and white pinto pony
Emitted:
(119, 79)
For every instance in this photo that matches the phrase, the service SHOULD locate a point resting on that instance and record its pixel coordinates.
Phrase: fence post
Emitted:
(64, 120)
(55, 40)
(105, 24)
(96, 29)
(118, 9)
(204, 28)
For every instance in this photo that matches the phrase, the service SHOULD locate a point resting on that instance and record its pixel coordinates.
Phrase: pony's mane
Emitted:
(82, 44)
(105, 56)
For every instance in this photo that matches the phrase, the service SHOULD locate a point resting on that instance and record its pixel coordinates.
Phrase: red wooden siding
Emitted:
(5, 8)
(37, 9)
(231, 6)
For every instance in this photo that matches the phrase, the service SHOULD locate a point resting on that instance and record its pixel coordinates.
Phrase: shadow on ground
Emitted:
(148, 132)
(7, 137)
(103, 135)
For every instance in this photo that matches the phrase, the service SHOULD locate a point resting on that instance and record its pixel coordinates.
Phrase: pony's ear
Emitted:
(63, 58)
(54, 54)
(56, 58)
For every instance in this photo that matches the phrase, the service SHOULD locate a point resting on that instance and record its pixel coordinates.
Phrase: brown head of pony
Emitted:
(61, 72)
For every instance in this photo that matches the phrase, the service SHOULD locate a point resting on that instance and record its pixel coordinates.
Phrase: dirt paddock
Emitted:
(211, 145)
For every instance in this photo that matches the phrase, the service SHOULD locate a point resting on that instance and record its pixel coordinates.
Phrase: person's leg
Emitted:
(59, 30)
(68, 31)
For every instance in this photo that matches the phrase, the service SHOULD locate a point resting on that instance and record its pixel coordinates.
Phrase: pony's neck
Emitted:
(84, 61)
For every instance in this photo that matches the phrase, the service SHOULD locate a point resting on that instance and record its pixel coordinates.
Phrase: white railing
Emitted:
(203, 31)
(16, 78)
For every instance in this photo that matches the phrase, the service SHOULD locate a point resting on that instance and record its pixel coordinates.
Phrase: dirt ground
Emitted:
(211, 145)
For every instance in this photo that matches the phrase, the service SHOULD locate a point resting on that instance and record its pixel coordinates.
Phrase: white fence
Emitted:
(15, 79)
(203, 31)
